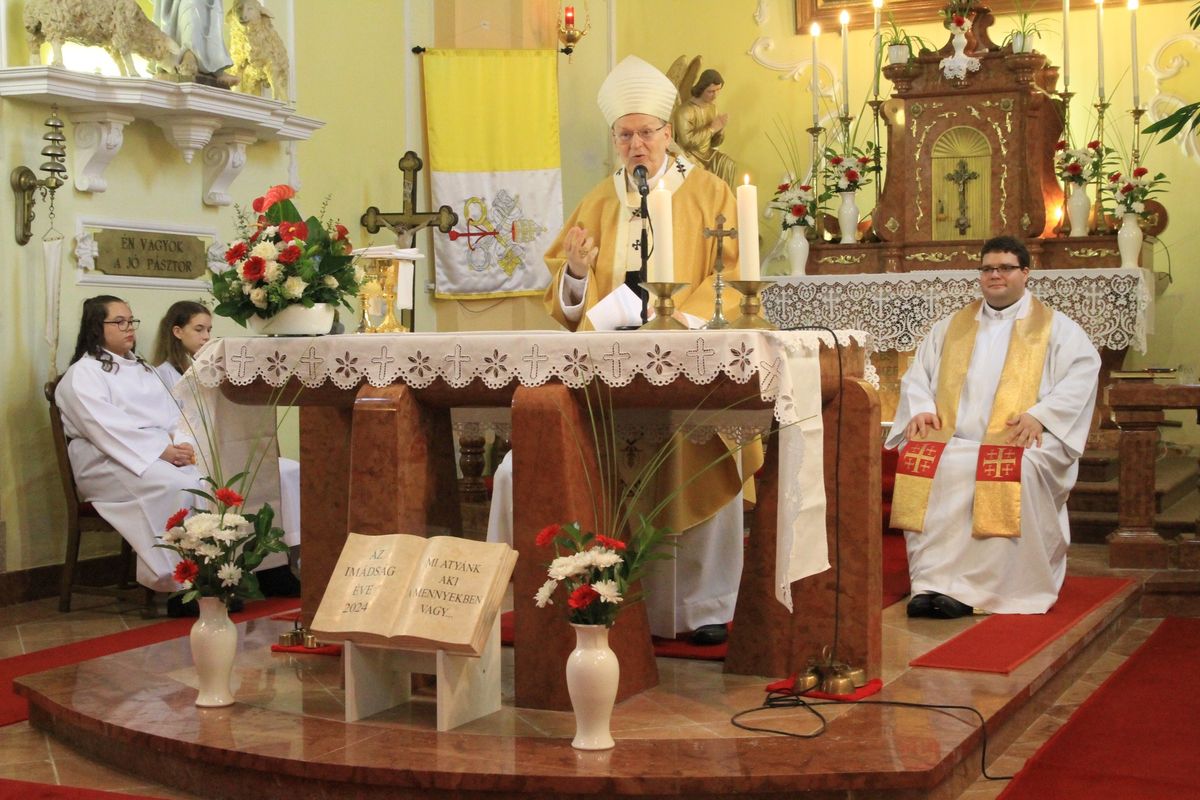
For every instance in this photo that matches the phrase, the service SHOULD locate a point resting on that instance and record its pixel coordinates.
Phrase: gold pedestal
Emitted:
(751, 306)
(664, 306)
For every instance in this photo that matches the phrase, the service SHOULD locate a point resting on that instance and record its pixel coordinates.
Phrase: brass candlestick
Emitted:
(815, 132)
(1101, 218)
(1137, 136)
(875, 105)
(664, 306)
(751, 306)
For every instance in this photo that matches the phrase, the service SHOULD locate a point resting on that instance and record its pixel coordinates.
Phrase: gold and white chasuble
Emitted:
(985, 522)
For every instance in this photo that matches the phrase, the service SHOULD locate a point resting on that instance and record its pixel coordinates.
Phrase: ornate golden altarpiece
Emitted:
(967, 159)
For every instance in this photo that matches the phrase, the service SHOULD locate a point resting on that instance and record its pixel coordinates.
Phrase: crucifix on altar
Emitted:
(408, 221)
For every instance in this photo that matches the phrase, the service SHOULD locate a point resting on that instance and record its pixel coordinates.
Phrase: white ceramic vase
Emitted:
(1129, 240)
(592, 675)
(848, 217)
(958, 40)
(797, 250)
(899, 53)
(1079, 205)
(214, 645)
(295, 320)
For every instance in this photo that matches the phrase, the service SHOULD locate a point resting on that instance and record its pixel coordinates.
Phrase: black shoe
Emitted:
(945, 607)
(921, 605)
(707, 635)
(177, 608)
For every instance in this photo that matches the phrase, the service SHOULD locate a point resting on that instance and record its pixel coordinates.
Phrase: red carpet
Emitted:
(14, 709)
(21, 790)
(1134, 737)
(1002, 642)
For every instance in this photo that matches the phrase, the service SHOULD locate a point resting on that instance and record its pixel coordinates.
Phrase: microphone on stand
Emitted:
(634, 279)
(639, 180)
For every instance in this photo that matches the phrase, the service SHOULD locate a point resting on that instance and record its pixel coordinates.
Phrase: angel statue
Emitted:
(699, 129)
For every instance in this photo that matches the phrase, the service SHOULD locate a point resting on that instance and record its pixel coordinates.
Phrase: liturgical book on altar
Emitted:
(413, 593)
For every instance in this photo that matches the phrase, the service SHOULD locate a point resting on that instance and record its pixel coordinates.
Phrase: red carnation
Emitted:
(235, 253)
(228, 496)
(1094, 144)
(186, 571)
(836, 160)
(583, 597)
(798, 210)
(1074, 168)
(253, 269)
(783, 187)
(1139, 172)
(273, 196)
(176, 518)
(960, 20)
(864, 159)
(611, 544)
(806, 188)
(289, 255)
(852, 175)
(1062, 145)
(1113, 178)
(342, 233)
(293, 230)
(547, 535)
(1127, 188)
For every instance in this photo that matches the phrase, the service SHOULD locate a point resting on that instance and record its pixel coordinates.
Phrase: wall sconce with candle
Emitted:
(570, 35)
(24, 182)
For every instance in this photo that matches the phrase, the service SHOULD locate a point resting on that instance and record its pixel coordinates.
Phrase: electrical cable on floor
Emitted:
(777, 700)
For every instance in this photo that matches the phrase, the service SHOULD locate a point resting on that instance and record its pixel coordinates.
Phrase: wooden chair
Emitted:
(83, 518)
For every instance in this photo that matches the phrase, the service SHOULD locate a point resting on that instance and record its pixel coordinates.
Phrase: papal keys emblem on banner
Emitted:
(497, 237)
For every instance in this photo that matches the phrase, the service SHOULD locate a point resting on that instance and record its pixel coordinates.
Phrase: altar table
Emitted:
(376, 458)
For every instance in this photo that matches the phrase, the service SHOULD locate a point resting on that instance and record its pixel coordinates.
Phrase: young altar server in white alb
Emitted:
(589, 261)
(994, 414)
(120, 419)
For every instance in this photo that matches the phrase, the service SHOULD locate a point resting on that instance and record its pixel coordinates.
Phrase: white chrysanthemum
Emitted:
(259, 297)
(201, 525)
(359, 273)
(294, 287)
(565, 567)
(208, 550)
(608, 591)
(227, 535)
(188, 543)
(542, 598)
(247, 287)
(269, 231)
(1139, 207)
(267, 251)
(843, 184)
(229, 575)
(173, 535)
(273, 272)
(603, 558)
(331, 282)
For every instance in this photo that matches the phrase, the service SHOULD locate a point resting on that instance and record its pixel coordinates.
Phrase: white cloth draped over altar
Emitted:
(1114, 306)
(785, 365)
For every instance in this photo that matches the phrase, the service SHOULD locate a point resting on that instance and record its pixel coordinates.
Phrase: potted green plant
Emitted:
(1021, 37)
(901, 46)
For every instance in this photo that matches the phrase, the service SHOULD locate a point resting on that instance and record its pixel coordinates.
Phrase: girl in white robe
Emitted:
(120, 417)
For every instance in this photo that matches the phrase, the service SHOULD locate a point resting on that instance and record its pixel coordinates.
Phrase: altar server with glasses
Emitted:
(994, 414)
(120, 419)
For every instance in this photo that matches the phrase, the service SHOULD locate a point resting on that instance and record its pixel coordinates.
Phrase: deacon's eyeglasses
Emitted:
(645, 134)
(124, 324)
(1003, 269)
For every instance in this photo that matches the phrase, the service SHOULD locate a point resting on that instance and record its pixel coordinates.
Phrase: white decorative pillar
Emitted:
(224, 159)
(98, 138)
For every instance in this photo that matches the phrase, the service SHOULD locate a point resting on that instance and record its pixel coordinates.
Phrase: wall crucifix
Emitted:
(409, 221)
(961, 177)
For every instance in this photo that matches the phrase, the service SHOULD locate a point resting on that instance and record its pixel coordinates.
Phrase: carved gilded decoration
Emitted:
(842, 259)
(1025, 222)
(939, 257)
(892, 224)
(1091, 252)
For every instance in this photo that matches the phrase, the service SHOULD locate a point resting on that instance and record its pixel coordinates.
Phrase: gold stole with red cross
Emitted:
(997, 508)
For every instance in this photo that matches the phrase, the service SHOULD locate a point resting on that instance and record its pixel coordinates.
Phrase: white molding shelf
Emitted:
(193, 118)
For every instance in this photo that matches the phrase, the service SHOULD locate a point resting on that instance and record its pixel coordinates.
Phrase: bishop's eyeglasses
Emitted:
(645, 134)
(1003, 269)
(124, 324)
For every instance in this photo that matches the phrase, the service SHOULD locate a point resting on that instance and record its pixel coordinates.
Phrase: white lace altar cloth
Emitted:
(1113, 306)
(786, 365)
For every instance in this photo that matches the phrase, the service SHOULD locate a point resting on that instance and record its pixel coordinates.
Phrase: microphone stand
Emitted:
(634, 280)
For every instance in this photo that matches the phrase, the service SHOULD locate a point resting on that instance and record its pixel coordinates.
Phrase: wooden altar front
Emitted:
(379, 459)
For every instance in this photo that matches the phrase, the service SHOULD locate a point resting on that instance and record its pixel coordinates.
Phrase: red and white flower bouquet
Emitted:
(1130, 192)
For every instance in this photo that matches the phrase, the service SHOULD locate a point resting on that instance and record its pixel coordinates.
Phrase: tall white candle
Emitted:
(877, 47)
(844, 19)
(747, 222)
(661, 268)
(1137, 92)
(1100, 47)
(815, 30)
(1066, 29)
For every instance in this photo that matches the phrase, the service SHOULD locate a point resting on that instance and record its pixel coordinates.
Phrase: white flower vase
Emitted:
(959, 42)
(592, 675)
(1079, 205)
(848, 217)
(214, 645)
(797, 250)
(1129, 240)
(295, 320)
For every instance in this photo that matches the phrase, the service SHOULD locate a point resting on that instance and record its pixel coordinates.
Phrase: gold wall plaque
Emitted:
(150, 254)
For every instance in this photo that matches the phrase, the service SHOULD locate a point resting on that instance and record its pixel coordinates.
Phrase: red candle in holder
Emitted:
(569, 16)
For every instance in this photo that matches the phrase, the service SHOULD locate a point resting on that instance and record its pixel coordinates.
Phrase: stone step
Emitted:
(1093, 527)
(1098, 465)
(1175, 476)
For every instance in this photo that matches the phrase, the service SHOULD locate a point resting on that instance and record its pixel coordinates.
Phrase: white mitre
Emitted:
(636, 87)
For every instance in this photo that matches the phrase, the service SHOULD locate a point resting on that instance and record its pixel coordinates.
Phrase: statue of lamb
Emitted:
(119, 26)
(259, 57)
